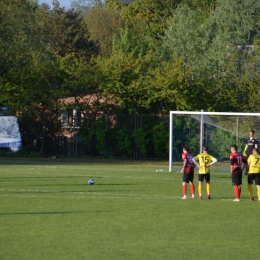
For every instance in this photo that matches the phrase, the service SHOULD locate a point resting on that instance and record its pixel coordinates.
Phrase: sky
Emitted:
(63, 3)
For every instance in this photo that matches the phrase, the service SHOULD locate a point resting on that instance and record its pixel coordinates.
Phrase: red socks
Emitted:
(192, 186)
(237, 191)
(184, 189)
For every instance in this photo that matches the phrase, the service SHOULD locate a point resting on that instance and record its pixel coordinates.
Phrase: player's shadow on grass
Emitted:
(47, 177)
(67, 191)
(108, 184)
(224, 177)
(53, 213)
(84, 184)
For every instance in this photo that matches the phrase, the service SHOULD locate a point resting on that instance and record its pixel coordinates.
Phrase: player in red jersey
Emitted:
(188, 172)
(236, 169)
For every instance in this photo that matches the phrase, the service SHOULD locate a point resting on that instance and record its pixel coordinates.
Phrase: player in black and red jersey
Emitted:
(188, 172)
(236, 169)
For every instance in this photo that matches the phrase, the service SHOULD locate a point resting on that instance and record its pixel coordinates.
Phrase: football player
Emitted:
(254, 173)
(251, 144)
(236, 169)
(204, 161)
(188, 172)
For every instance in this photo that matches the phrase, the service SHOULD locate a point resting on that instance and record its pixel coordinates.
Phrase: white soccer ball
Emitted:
(91, 182)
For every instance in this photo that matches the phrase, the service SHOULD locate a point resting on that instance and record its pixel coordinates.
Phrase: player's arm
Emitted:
(244, 164)
(244, 153)
(256, 144)
(231, 165)
(183, 166)
(247, 168)
(195, 161)
(213, 160)
(248, 164)
(193, 165)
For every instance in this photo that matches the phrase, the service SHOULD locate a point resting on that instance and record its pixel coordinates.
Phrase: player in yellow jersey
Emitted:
(204, 161)
(254, 173)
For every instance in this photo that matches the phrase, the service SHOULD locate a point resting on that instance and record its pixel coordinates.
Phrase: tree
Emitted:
(149, 17)
(232, 25)
(65, 31)
(85, 5)
(103, 25)
(16, 29)
(126, 72)
(206, 7)
(244, 94)
(187, 36)
(34, 86)
(209, 48)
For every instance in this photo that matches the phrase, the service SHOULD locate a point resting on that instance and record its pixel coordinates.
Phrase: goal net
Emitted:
(217, 130)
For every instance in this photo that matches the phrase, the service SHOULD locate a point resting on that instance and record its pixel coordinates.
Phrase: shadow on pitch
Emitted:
(224, 177)
(52, 213)
(46, 177)
(68, 191)
(84, 184)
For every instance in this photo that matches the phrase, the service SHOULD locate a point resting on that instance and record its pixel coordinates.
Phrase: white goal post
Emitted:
(203, 118)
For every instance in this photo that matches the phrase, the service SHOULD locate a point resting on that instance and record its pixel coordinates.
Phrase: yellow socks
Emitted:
(250, 190)
(208, 188)
(200, 190)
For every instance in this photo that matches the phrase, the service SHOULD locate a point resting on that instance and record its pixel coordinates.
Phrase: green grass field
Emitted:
(48, 211)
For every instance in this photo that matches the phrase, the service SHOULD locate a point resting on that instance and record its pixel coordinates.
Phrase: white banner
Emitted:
(9, 132)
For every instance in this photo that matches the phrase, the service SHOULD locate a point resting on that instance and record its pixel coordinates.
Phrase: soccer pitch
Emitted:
(48, 211)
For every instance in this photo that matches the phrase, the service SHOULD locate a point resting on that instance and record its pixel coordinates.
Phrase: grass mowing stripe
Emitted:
(95, 197)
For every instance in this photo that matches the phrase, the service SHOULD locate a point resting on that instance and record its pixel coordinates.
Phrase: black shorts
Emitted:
(188, 177)
(253, 177)
(205, 176)
(237, 178)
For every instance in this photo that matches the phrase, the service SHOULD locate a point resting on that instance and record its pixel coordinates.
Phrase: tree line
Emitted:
(126, 57)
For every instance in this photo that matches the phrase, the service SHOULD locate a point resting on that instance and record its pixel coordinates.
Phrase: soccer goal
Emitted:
(217, 130)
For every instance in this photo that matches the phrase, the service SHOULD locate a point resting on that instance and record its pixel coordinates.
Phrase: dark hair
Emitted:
(186, 148)
(205, 148)
(252, 131)
(234, 146)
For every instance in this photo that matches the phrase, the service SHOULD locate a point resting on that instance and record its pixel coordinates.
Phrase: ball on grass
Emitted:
(91, 182)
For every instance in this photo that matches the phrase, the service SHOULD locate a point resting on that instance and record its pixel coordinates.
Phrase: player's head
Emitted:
(233, 148)
(205, 149)
(255, 151)
(186, 148)
(251, 133)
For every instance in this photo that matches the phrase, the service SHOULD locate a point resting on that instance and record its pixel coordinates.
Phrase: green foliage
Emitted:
(21, 153)
(154, 56)
(124, 142)
(141, 141)
(101, 136)
(120, 138)
(161, 140)
(103, 25)
(149, 17)
(186, 131)
(35, 84)
(126, 77)
(237, 21)
(187, 35)
(204, 6)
